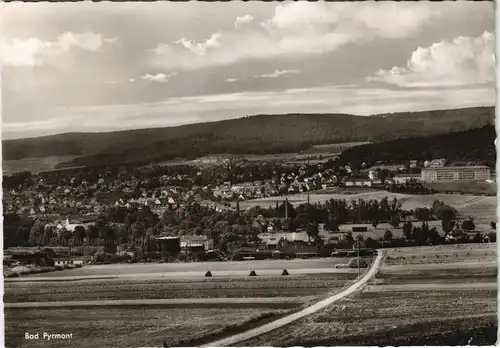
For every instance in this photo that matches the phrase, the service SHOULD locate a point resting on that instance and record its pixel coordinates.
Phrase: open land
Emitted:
(482, 208)
(123, 327)
(34, 165)
(221, 303)
(196, 269)
(399, 307)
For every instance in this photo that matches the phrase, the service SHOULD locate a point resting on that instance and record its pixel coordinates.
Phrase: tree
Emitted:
(407, 229)
(493, 225)
(445, 212)
(332, 224)
(312, 231)
(422, 214)
(395, 221)
(468, 225)
(79, 235)
(289, 225)
(477, 238)
(387, 235)
(447, 225)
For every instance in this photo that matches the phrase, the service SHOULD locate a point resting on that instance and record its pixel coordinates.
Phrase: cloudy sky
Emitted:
(69, 67)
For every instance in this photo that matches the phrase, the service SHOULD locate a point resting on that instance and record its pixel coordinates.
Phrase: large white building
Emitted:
(456, 174)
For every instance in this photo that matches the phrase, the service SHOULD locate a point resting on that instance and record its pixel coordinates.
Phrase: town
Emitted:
(130, 211)
(249, 174)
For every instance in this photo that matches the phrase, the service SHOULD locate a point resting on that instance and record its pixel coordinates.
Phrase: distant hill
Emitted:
(473, 145)
(255, 134)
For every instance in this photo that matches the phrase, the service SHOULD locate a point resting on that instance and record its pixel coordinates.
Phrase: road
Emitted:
(324, 265)
(231, 341)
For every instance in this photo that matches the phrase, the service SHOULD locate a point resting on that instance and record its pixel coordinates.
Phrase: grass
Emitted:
(383, 316)
(481, 208)
(34, 165)
(124, 327)
(292, 286)
(467, 188)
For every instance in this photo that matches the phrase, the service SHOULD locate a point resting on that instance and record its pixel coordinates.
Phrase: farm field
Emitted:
(198, 310)
(401, 305)
(124, 327)
(237, 268)
(298, 287)
(482, 208)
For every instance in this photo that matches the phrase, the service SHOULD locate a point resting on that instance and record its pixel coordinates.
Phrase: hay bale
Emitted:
(208, 274)
(285, 273)
(252, 274)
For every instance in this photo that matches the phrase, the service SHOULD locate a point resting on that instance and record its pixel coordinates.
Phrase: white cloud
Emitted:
(297, 30)
(202, 108)
(32, 52)
(240, 21)
(277, 73)
(131, 80)
(232, 79)
(463, 61)
(160, 77)
(200, 48)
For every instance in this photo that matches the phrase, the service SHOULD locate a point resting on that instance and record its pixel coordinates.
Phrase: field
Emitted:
(34, 165)
(193, 310)
(123, 327)
(475, 188)
(482, 208)
(188, 270)
(297, 287)
(413, 294)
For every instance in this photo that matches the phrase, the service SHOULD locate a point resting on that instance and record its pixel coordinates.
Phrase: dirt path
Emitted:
(154, 302)
(305, 312)
(434, 287)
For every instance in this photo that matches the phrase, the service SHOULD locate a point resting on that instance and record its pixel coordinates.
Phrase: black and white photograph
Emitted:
(238, 174)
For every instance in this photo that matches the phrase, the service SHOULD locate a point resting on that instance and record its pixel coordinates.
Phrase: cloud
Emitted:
(34, 52)
(160, 77)
(240, 21)
(299, 30)
(205, 108)
(232, 79)
(463, 61)
(198, 47)
(277, 73)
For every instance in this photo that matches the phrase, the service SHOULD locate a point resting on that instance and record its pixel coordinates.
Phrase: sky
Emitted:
(89, 67)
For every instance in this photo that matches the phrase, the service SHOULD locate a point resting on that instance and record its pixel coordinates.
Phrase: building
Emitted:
(437, 163)
(406, 178)
(456, 174)
(201, 243)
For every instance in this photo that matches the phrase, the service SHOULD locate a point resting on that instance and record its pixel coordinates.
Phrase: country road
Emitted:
(231, 341)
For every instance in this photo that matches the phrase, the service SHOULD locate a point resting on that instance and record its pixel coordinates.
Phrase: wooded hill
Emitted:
(474, 145)
(250, 135)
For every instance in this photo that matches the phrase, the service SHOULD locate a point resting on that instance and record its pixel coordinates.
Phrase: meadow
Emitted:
(481, 208)
(34, 165)
(201, 309)
(413, 295)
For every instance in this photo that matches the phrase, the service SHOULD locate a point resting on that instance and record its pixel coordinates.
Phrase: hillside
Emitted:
(475, 145)
(255, 134)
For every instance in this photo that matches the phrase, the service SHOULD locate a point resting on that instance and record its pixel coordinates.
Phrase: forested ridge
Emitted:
(473, 145)
(255, 134)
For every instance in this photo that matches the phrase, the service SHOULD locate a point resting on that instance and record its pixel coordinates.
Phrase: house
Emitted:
(192, 242)
(402, 179)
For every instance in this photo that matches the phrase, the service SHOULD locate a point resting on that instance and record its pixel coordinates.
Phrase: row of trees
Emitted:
(228, 229)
